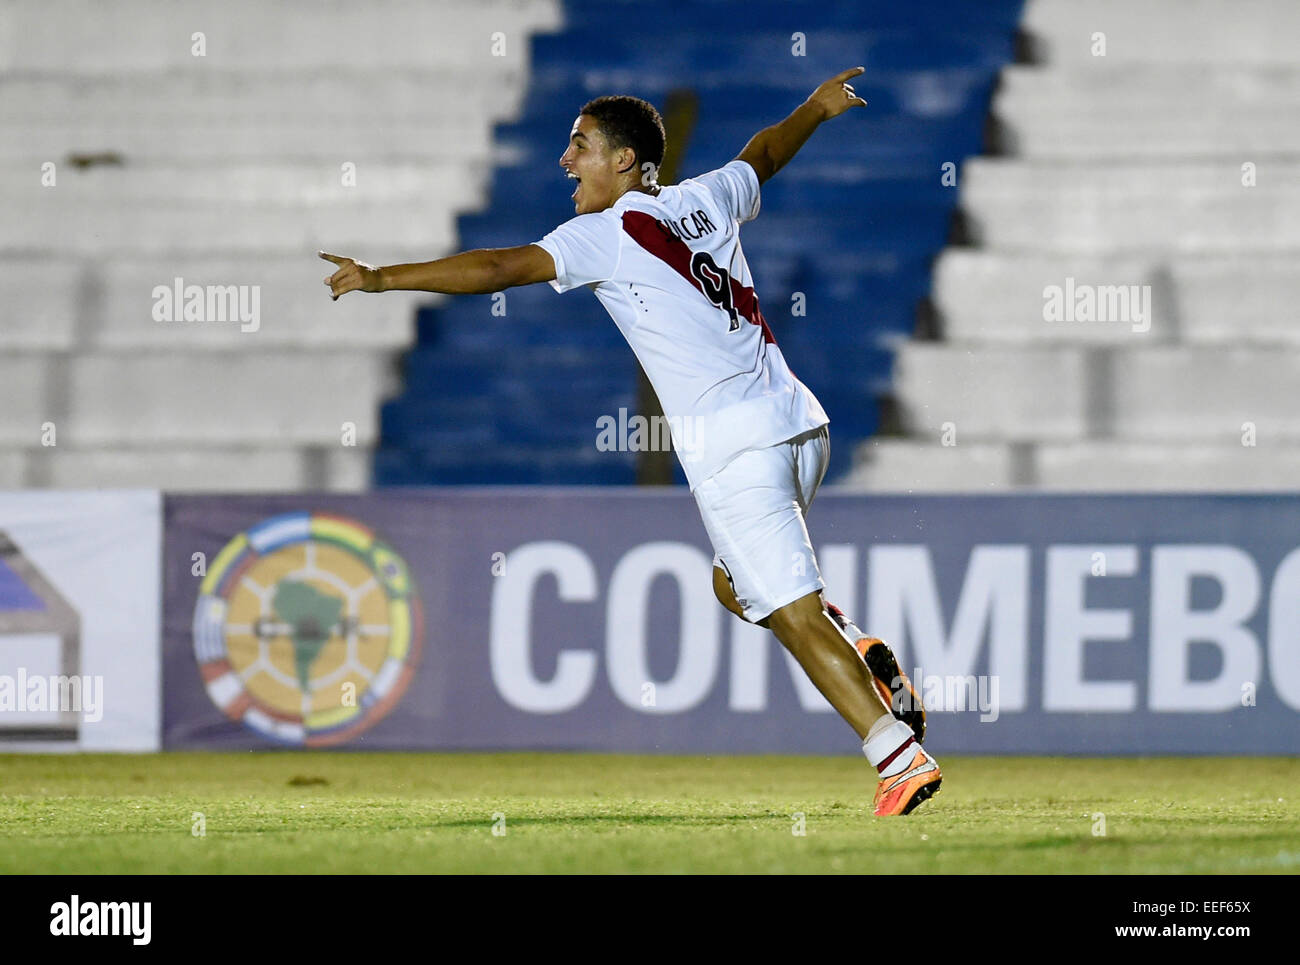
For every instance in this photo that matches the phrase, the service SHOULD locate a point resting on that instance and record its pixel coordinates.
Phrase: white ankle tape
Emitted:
(880, 746)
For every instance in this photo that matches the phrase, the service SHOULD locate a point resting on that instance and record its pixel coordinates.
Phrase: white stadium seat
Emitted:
(133, 158)
(139, 36)
(1239, 299)
(294, 308)
(992, 393)
(989, 296)
(1192, 393)
(1127, 466)
(319, 181)
(1139, 87)
(1176, 32)
(191, 470)
(992, 296)
(288, 467)
(913, 465)
(1009, 209)
(44, 299)
(74, 225)
(13, 466)
(906, 465)
(346, 470)
(1171, 163)
(29, 383)
(200, 140)
(225, 398)
(1143, 112)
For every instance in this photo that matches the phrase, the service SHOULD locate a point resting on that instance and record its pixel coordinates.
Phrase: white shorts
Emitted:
(753, 509)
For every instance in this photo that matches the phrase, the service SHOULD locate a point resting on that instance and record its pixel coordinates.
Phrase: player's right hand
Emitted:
(836, 95)
(352, 276)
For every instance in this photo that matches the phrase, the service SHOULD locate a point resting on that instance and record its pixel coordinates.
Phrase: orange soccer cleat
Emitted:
(901, 793)
(893, 685)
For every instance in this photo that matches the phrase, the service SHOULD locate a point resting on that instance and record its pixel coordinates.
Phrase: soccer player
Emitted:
(666, 263)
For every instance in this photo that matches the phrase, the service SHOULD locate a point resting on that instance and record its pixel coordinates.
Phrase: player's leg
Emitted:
(893, 685)
(722, 589)
(753, 513)
(908, 774)
(817, 642)
(828, 658)
(812, 456)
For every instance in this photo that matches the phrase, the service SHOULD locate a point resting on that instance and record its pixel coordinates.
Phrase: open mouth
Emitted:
(577, 186)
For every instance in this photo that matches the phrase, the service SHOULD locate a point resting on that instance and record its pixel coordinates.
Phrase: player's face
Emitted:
(589, 157)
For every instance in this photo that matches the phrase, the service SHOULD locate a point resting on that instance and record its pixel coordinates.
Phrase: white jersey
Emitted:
(669, 270)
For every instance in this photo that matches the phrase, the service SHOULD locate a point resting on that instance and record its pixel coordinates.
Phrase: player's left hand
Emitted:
(836, 95)
(352, 276)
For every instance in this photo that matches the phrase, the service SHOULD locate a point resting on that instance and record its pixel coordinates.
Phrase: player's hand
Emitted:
(836, 95)
(352, 276)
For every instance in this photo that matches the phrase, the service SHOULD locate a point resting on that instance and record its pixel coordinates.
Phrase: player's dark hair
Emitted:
(627, 121)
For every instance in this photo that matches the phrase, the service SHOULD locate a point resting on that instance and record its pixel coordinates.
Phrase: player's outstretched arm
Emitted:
(772, 148)
(476, 272)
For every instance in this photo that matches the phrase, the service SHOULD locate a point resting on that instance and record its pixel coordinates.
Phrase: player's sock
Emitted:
(851, 630)
(882, 723)
(886, 745)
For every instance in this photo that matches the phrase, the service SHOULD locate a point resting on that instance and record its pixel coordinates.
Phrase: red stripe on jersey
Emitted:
(668, 248)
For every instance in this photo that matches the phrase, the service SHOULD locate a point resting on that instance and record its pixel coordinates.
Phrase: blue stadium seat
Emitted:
(722, 15)
(699, 54)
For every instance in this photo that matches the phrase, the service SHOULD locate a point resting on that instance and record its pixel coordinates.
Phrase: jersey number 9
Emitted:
(716, 285)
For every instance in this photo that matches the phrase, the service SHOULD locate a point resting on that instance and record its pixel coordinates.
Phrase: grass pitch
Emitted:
(342, 813)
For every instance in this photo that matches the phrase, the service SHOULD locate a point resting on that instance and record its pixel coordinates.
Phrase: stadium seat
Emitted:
(224, 398)
(993, 393)
(1096, 221)
(13, 469)
(1118, 466)
(992, 296)
(26, 380)
(713, 15)
(141, 37)
(1165, 32)
(44, 299)
(840, 254)
(1234, 299)
(1169, 162)
(1145, 112)
(135, 158)
(228, 159)
(906, 465)
(122, 302)
(1194, 393)
(187, 469)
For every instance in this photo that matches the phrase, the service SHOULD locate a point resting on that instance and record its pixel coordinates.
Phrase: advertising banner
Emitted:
(79, 621)
(585, 619)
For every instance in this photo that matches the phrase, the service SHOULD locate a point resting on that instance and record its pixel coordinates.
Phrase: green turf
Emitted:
(360, 813)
